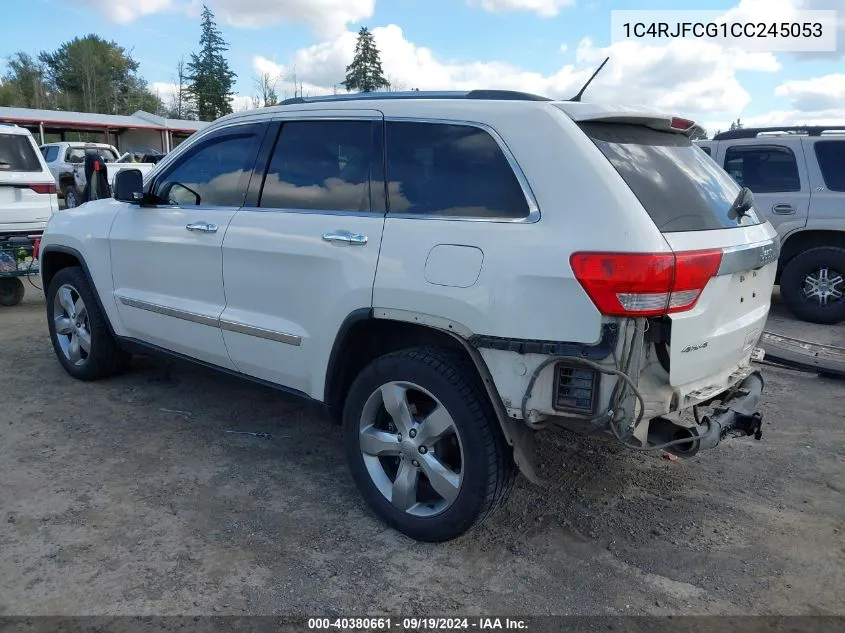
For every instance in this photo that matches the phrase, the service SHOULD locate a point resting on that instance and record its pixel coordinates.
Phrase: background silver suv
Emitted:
(798, 179)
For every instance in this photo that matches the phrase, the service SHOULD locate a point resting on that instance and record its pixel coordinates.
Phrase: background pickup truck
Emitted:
(797, 176)
(66, 161)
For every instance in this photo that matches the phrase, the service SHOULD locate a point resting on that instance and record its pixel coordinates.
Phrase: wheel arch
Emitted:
(363, 337)
(55, 257)
(804, 239)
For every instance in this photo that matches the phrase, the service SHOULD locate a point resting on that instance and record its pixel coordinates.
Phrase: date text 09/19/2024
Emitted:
(418, 624)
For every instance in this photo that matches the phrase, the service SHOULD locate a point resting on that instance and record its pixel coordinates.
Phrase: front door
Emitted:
(302, 253)
(167, 258)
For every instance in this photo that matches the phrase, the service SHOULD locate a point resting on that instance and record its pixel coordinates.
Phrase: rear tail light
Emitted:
(43, 187)
(645, 284)
(36, 247)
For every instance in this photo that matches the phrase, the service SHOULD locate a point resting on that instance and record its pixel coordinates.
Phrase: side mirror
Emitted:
(129, 186)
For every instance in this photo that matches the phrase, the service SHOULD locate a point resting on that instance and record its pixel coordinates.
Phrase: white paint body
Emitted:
(270, 272)
(22, 210)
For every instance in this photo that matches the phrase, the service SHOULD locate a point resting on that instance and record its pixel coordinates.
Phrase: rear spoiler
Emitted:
(588, 112)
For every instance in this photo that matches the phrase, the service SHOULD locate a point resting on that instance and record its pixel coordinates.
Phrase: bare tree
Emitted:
(266, 84)
(394, 85)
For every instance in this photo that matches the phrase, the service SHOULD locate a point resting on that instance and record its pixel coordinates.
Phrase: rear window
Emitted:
(17, 154)
(680, 187)
(831, 157)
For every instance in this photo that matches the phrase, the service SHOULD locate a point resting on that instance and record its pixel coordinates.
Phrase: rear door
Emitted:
(777, 174)
(826, 167)
(27, 189)
(690, 198)
(302, 253)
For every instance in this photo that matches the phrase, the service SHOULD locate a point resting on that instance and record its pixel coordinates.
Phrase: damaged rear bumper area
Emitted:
(734, 414)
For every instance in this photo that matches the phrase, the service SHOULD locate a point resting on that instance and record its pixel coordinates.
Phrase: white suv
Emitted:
(445, 272)
(27, 189)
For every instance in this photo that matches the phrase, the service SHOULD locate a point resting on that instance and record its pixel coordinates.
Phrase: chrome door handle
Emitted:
(345, 236)
(202, 226)
(783, 209)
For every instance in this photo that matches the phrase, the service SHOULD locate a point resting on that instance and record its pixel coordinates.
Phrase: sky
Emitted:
(548, 47)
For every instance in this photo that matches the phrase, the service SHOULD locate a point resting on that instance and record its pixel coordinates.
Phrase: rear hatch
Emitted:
(720, 283)
(27, 188)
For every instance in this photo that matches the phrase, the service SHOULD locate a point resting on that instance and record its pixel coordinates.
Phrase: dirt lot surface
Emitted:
(128, 496)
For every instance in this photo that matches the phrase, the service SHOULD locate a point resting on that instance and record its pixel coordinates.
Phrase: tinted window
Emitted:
(763, 169)
(450, 170)
(215, 172)
(706, 150)
(681, 188)
(831, 157)
(51, 153)
(321, 165)
(17, 154)
(77, 154)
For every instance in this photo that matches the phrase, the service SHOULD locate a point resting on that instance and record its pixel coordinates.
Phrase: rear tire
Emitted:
(79, 331)
(72, 197)
(451, 467)
(11, 292)
(812, 285)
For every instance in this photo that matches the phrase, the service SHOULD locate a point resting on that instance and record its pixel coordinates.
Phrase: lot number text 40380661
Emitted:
(418, 624)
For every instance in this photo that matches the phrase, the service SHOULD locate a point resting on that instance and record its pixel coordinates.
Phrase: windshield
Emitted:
(680, 186)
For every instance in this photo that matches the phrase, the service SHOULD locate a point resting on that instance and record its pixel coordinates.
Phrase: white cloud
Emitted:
(328, 18)
(689, 77)
(125, 11)
(776, 118)
(819, 93)
(544, 8)
(564, 48)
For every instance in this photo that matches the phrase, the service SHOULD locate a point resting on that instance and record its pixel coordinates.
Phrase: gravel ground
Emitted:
(127, 496)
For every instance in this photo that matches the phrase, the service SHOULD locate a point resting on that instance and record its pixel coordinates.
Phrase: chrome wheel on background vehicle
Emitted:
(411, 449)
(824, 285)
(72, 328)
(813, 285)
(71, 197)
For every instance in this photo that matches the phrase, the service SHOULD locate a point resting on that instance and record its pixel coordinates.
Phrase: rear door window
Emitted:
(831, 157)
(17, 153)
(450, 170)
(681, 188)
(769, 169)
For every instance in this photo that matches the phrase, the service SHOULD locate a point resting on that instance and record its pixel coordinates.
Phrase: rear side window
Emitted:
(831, 157)
(17, 154)
(51, 153)
(321, 165)
(706, 150)
(763, 169)
(680, 187)
(450, 170)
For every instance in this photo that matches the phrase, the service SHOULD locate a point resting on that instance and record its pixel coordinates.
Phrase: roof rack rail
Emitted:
(801, 130)
(486, 95)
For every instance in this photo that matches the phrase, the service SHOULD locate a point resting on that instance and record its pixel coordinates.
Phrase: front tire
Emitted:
(11, 291)
(423, 443)
(78, 329)
(812, 285)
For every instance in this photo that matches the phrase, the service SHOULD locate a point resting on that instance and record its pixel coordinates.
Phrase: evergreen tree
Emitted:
(364, 73)
(209, 76)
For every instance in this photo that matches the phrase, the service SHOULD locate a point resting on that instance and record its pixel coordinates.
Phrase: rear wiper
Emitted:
(743, 203)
